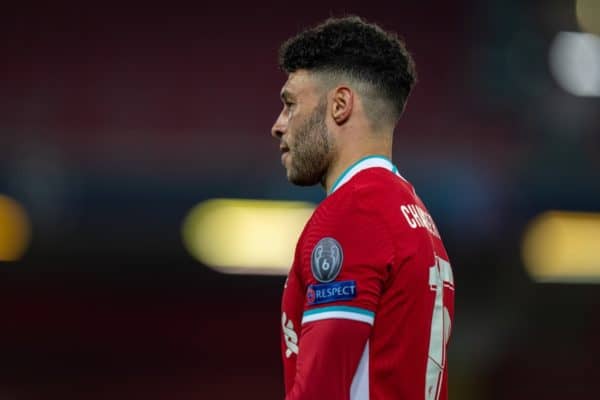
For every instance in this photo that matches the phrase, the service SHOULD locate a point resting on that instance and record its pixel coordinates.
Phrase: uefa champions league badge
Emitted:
(326, 260)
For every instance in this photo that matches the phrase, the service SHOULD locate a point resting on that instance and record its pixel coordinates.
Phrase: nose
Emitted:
(278, 128)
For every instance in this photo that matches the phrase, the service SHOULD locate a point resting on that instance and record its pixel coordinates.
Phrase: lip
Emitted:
(284, 149)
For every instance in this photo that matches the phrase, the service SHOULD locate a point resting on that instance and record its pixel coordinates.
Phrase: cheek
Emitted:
(292, 133)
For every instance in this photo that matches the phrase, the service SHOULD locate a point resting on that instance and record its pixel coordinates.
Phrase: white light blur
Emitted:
(575, 63)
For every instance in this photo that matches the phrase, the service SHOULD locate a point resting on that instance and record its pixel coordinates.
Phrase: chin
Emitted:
(303, 180)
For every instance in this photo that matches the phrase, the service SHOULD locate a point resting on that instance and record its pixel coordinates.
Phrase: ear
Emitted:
(343, 103)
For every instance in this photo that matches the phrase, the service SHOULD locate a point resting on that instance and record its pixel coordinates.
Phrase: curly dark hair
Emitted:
(357, 49)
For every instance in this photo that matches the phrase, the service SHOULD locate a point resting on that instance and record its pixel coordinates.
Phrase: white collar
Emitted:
(361, 165)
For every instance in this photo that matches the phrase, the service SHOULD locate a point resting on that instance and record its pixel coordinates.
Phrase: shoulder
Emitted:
(355, 214)
(379, 193)
(373, 195)
(366, 206)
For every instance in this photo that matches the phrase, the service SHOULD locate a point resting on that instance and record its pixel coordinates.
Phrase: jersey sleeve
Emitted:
(351, 255)
(328, 361)
(356, 241)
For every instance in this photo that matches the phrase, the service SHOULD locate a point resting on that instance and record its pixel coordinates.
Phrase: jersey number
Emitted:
(440, 276)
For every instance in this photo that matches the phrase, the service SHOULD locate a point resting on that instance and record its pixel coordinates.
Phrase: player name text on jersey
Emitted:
(419, 218)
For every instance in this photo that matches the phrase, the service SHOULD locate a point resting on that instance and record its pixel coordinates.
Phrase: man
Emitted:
(368, 304)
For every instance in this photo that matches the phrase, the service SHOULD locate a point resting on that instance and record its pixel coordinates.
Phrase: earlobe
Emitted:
(343, 102)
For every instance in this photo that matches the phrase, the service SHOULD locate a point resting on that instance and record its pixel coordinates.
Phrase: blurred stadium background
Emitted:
(116, 120)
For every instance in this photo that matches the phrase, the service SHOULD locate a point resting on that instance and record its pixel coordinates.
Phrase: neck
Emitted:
(346, 159)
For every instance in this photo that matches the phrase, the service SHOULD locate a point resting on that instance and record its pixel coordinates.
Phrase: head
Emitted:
(346, 77)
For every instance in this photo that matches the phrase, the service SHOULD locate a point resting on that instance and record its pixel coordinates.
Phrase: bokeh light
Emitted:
(15, 229)
(245, 236)
(575, 63)
(588, 15)
(563, 247)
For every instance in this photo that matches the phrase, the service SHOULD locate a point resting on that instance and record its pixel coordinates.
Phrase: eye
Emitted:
(288, 107)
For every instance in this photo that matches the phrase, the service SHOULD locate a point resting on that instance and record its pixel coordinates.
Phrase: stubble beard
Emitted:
(311, 152)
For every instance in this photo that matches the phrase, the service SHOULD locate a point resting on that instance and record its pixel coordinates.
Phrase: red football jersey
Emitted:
(369, 301)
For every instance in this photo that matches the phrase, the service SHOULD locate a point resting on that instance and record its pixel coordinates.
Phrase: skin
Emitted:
(322, 130)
